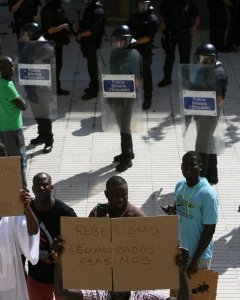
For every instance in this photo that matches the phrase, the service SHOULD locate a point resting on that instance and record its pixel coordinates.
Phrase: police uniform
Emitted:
(53, 15)
(217, 23)
(40, 97)
(145, 24)
(179, 17)
(94, 21)
(124, 61)
(209, 79)
(233, 32)
(26, 12)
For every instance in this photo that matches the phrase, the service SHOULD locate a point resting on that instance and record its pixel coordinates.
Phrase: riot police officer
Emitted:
(24, 11)
(144, 25)
(91, 30)
(56, 27)
(179, 19)
(209, 79)
(124, 60)
(217, 23)
(35, 49)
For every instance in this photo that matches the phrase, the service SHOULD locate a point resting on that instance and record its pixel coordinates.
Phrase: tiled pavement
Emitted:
(81, 160)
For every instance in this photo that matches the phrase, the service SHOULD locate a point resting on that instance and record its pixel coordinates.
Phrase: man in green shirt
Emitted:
(11, 105)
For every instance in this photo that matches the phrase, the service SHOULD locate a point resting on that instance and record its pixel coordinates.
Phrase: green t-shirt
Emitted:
(10, 114)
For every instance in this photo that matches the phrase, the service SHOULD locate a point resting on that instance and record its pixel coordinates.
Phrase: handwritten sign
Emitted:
(100, 252)
(10, 185)
(203, 285)
(202, 103)
(118, 86)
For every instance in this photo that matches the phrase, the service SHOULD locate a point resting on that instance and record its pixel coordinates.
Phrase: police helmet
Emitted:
(142, 5)
(206, 54)
(121, 36)
(90, 1)
(31, 31)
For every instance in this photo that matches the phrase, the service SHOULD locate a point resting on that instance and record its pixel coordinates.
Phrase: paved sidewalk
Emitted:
(81, 160)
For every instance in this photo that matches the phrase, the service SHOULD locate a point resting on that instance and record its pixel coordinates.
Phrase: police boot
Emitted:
(164, 82)
(212, 172)
(37, 141)
(146, 104)
(127, 153)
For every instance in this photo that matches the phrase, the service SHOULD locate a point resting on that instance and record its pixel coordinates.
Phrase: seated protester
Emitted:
(118, 206)
(18, 236)
(182, 259)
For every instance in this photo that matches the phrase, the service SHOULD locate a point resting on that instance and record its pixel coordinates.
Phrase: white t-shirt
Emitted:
(14, 241)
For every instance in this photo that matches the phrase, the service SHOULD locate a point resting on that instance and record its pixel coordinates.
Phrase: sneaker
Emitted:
(37, 141)
(119, 158)
(47, 148)
(123, 166)
(89, 96)
(164, 82)
(146, 105)
(62, 92)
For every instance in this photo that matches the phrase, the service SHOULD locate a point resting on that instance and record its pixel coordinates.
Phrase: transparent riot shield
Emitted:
(37, 77)
(120, 90)
(200, 88)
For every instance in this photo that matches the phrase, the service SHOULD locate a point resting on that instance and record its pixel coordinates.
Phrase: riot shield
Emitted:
(37, 76)
(201, 108)
(120, 90)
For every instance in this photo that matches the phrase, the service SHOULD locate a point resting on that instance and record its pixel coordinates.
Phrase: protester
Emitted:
(48, 210)
(196, 205)
(18, 236)
(11, 105)
(118, 205)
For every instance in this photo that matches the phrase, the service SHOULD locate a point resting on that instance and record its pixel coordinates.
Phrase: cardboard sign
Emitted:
(120, 254)
(201, 103)
(10, 186)
(203, 285)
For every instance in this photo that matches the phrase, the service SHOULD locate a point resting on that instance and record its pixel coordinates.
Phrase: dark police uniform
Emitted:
(217, 23)
(145, 24)
(26, 12)
(124, 61)
(233, 32)
(179, 17)
(94, 21)
(54, 15)
(210, 79)
(39, 52)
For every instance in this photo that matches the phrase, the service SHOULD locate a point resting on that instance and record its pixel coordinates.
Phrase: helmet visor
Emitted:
(143, 6)
(205, 59)
(120, 42)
